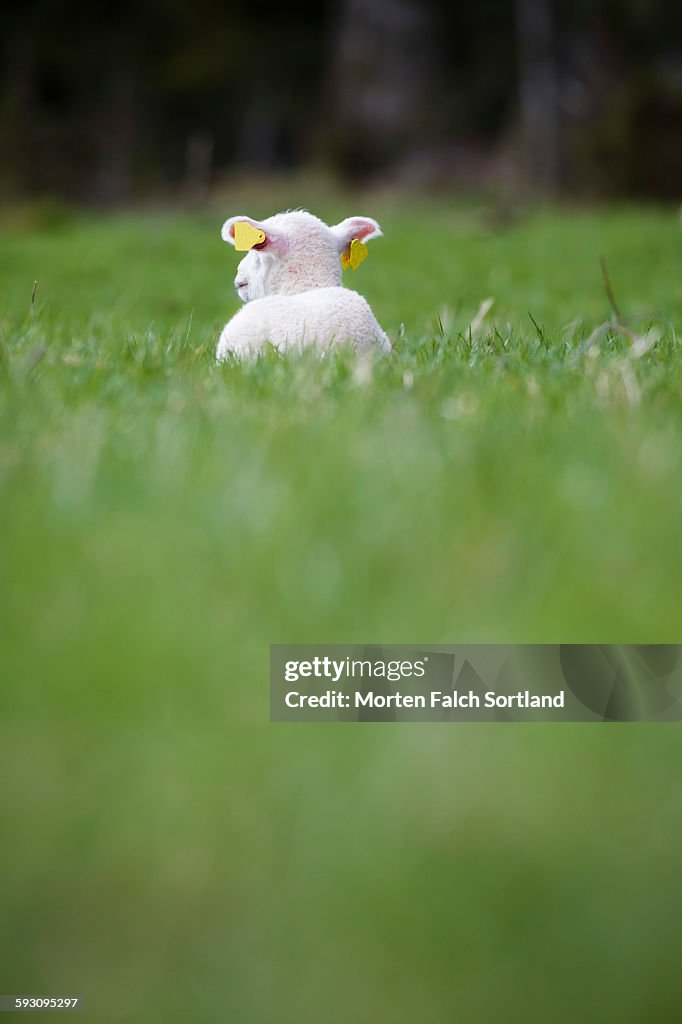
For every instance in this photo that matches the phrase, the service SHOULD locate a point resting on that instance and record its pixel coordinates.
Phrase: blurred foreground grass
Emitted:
(166, 852)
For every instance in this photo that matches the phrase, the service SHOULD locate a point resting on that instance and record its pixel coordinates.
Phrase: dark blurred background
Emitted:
(112, 101)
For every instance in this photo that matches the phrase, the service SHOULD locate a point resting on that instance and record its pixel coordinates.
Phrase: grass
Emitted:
(169, 854)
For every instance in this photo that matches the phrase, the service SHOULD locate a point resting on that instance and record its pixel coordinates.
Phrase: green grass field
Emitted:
(169, 854)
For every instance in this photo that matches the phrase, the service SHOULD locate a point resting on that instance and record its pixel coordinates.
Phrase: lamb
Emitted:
(290, 280)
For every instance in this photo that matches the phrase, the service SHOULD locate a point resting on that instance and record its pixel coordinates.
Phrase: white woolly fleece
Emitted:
(292, 284)
(321, 316)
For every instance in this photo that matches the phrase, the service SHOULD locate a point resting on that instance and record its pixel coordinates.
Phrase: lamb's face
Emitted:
(293, 252)
(251, 280)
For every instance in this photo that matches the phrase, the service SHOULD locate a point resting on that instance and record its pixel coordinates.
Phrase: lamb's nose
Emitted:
(239, 283)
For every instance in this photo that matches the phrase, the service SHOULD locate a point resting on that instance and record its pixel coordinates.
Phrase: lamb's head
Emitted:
(292, 252)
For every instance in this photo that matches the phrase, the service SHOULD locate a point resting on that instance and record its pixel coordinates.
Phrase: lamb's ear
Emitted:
(362, 228)
(245, 233)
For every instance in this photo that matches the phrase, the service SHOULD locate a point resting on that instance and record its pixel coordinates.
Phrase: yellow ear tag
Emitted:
(246, 236)
(354, 255)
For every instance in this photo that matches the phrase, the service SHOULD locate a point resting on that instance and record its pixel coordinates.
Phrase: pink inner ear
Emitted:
(228, 228)
(357, 227)
(362, 228)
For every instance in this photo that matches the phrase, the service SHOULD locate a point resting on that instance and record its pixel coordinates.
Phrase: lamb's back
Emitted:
(321, 317)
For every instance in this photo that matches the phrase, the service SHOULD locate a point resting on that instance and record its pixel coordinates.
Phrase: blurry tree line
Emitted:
(102, 101)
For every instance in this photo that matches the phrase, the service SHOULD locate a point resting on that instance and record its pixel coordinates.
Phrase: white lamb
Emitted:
(290, 280)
